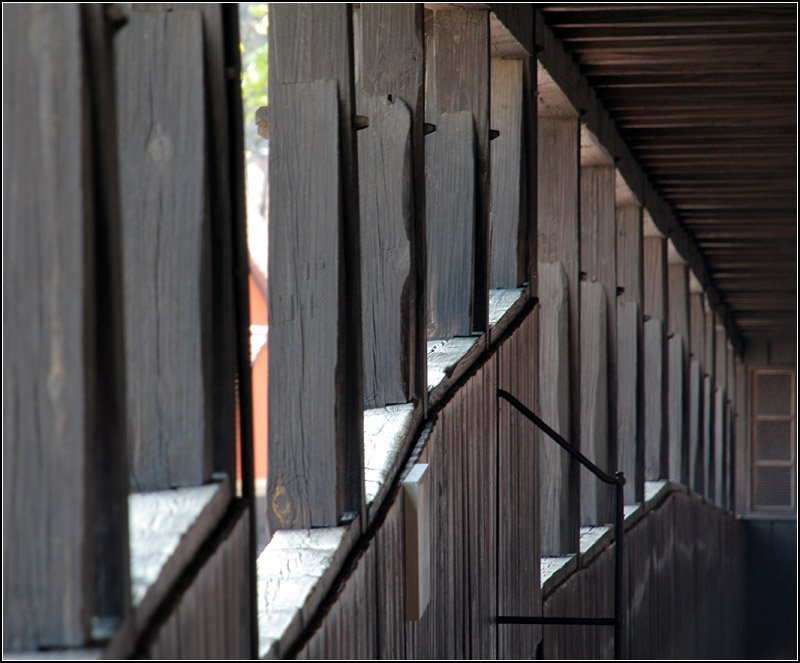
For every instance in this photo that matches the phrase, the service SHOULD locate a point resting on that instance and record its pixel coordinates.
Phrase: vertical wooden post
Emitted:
(655, 314)
(315, 447)
(730, 463)
(460, 67)
(65, 547)
(678, 351)
(709, 400)
(559, 295)
(741, 453)
(720, 417)
(508, 172)
(696, 379)
(630, 374)
(598, 272)
(390, 93)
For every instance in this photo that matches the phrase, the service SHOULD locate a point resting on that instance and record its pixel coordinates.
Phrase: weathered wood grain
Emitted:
(719, 447)
(200, 623)
(518, 496)
(630, 402)
(697, 324)
(314, 270)
(450, 225)
(677, 412)
(696, 447)
(48, 351)
(655, 414)
(507, 214)
(559, 230)
(709, 454)
(558, 474)
(655, 277)
(165, 232)
(387, 217)
(678, 309)
(595, 496)
(598, 261)
(391, 66)
(460, 67)
(630, 345)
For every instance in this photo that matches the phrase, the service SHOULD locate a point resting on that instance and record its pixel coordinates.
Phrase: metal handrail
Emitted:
(618, 480)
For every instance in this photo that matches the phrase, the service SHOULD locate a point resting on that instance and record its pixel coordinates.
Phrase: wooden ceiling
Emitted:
(705, 97)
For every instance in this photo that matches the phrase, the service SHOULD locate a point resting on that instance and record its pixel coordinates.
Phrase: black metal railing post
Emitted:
(618, 480)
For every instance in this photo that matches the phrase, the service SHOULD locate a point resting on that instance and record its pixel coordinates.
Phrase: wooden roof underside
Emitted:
(705, 97)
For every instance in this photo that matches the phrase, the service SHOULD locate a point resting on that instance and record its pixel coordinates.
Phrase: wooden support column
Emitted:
(166, 248)
(720, 416)
(730, 449)
(65, 478)
(741, 459)
(559, 296)
(315, 437)
(678, 355)
(457, 231)
(630, 374)
(696, 379)
(508, 268)
(390, 94)
(598, 325)
(709, 400)
(655, 383)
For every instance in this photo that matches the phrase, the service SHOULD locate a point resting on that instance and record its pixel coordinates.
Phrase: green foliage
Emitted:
(254, 21)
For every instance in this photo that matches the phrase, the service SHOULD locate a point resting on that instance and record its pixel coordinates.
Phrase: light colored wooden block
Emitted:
(417, 541)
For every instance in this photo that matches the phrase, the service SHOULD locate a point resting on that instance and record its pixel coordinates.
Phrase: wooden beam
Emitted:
(65, 547)
(558, 473)
(165, 232)
(390, 93)
(595, 497)
(315, 449)
(655, 357)
(598, 267)
(630, 345)
(460, 66)
(508, 174)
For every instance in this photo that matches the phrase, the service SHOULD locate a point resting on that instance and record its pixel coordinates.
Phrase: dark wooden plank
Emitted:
(629, 253)
(677, 412)
(386, 209)
(315, 306)
(697, 324)
(630, 403)
(595, 496)
(165, 248)
(655, 414)
(719, 447)
(389, 587)
(392, 65)
(303, 338)
(557, 472)
(518, 499)
(559, 232)
(655, 277)
(708, 436)
(450, 224)
(315, 328)
(460, 65)
(741, 448)
(630, 348)
(507, 215)
(696, 447)
(45, 408)
(598, 261)
(108, 454)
